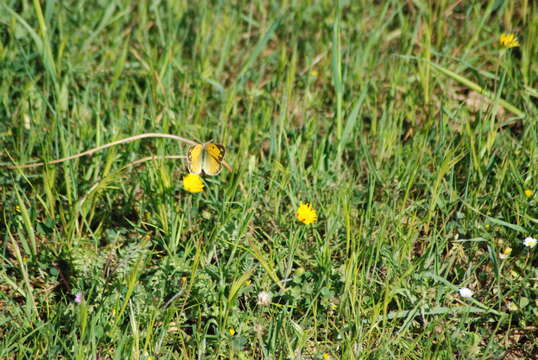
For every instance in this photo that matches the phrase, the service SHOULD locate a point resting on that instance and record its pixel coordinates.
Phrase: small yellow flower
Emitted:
(193, 183)
(506, 253)
(528, 193)
(314, 73)
(325, 356)
(232, 331)
(306, 214)
(508, 40)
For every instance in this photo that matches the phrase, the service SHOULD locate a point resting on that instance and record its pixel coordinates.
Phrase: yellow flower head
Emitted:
(528, 193)
(508, 40)
(193, 183)
(506, 253)
(231, 331)
(306, 214)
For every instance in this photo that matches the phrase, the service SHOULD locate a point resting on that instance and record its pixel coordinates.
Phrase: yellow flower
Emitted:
(193, 183)
(506, 253)
(508, 40)
(306, 214)
(528, 193)
(325, 356)
(232, 331)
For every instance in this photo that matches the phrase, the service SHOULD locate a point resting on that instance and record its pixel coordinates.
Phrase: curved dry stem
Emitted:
(228, 166)
(91, 151)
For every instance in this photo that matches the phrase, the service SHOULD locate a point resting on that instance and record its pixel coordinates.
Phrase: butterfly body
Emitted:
(206, 158)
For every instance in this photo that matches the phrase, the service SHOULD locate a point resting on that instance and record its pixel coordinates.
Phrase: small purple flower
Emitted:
(78, 297)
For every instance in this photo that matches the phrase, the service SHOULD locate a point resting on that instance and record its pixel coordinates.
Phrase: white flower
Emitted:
(466, 292)
(530, 242)
(264, 298)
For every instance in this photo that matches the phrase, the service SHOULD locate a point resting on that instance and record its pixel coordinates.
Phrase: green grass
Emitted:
(371, 112)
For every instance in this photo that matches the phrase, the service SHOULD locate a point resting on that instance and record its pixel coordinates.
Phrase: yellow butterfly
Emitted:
(205, 157)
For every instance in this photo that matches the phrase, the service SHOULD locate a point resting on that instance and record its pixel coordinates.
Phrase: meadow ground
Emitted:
(409, 127)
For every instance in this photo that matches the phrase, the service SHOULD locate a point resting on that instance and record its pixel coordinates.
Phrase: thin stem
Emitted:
(91, 151)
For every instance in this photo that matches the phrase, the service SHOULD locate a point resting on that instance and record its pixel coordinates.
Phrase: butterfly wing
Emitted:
(195, 159)
(212, 164)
